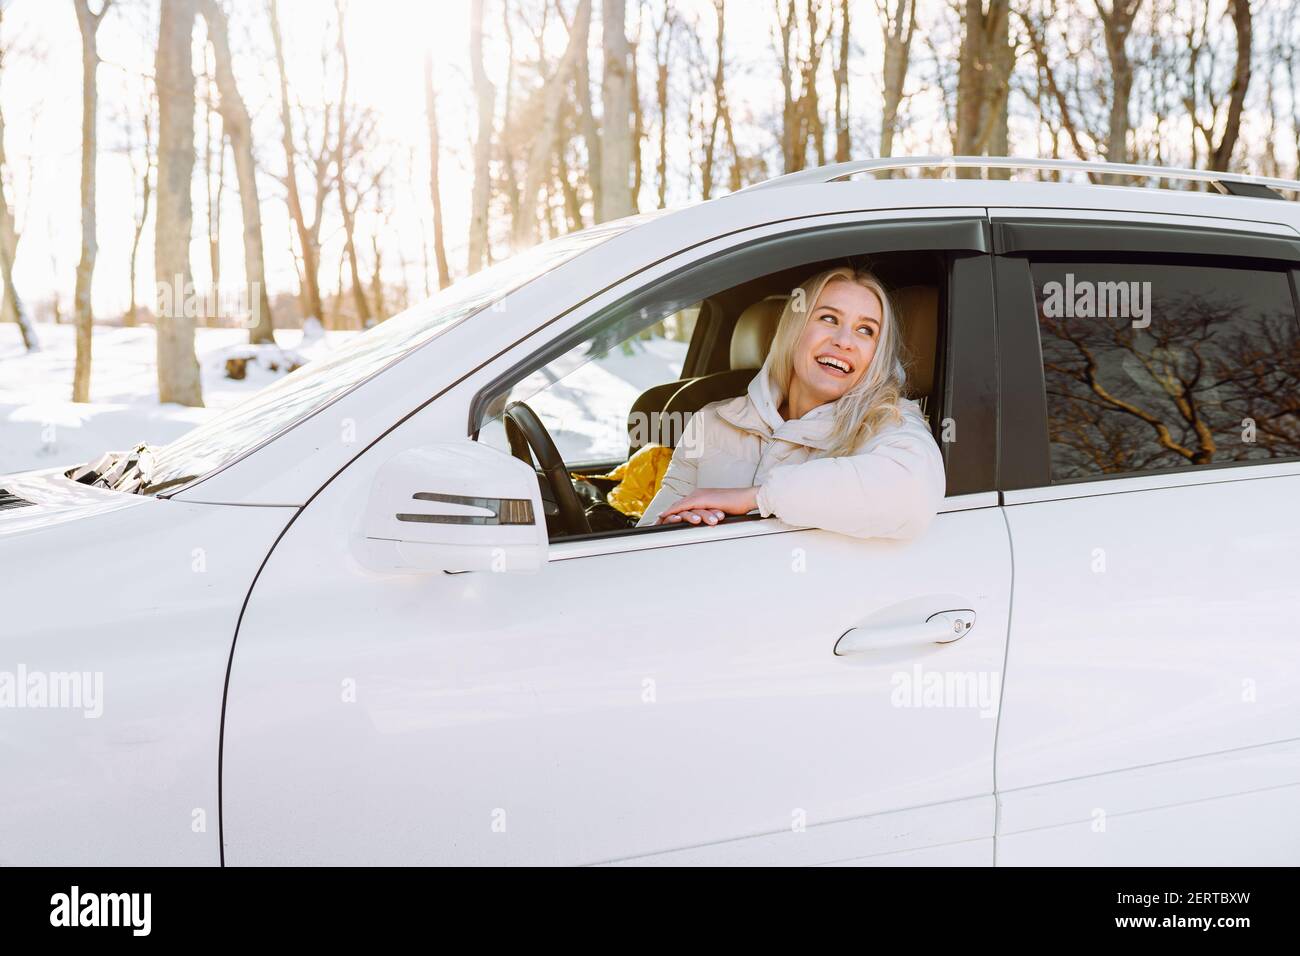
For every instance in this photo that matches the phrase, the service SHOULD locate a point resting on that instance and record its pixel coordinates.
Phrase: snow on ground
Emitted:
(586, 410)
(40, 427)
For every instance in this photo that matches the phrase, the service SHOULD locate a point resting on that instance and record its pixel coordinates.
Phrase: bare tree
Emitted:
(1051, 91)
(983, 79)
(1118, 24)
(664, 33)
(721, 115)
(616, 198)
(213, 194)
(801, 45)
(588, 122)
(89, 24)
(548, 117)
(178, 368)
(238, 130)
(898, 25)
(321, 164)
(843, 139)
(435, 191)
(13, 303)
(344, 153)
(1221, 152)
(485, 97)
(142, 173)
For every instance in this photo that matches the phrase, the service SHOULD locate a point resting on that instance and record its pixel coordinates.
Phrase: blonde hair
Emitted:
(874, 400)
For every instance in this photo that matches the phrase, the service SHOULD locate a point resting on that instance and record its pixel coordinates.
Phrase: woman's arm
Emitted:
(891, 490)
(680, 478)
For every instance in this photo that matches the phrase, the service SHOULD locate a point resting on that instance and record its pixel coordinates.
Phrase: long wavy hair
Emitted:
(875, 400)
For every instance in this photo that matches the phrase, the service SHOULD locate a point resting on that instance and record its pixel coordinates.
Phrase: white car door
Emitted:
(1151, 463)
(650, 696)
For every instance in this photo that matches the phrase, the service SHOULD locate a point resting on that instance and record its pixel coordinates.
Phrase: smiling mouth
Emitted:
(835, 365)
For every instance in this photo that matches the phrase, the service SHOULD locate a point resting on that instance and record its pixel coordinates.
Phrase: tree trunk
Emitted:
(590, 126)
(485, 95)
(85, 318)
(238, 129)
(8, 239)
(8, 246)
(898, 31)
(146, 186)
(983, 81)
(306, 235)
(663, 40)
(1221, 157)
(616, 143)
(377, 280)
(638, 128)
(178, 369)
(435, 192)
(211, 310)
(790, 162)
(719, 100)
(542, 150)
(843, 139)
(1118, 24)
(341, 158)
(10, 292)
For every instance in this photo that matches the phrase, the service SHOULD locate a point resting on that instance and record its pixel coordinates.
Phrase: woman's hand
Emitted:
(711, 505)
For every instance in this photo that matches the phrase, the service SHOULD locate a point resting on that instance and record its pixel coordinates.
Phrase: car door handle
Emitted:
(941, 627)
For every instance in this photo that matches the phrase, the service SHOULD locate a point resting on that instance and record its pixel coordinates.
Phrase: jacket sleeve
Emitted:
(681, 477)
(892, 489)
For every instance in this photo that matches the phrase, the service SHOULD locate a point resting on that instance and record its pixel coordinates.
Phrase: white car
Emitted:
(352, 622)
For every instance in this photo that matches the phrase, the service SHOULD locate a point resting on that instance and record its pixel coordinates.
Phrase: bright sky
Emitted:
(41, 90)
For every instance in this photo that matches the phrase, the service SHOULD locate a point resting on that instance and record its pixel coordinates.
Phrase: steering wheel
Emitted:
(525, 430)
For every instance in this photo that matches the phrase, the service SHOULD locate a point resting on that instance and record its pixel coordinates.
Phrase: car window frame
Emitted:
(969, 385)
(1024, 442)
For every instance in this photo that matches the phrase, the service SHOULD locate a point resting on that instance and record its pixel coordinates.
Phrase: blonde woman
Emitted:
(824, 438)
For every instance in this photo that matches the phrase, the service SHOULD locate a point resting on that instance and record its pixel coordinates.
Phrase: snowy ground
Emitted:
(586, 410)
(41, 428)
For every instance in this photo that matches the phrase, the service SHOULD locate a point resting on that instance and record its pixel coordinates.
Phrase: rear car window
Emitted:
(1154, 366)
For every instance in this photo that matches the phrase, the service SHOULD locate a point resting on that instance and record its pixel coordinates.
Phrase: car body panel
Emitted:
(139, 598)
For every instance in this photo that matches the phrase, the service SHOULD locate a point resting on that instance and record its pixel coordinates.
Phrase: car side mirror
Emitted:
(456, 506)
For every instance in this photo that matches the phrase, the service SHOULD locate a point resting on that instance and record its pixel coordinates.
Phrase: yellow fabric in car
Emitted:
(638, 479)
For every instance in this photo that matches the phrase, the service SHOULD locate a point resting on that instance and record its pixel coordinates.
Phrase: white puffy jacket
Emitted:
(889, 488)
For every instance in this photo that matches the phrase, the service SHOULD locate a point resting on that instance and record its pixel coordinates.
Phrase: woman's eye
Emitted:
(866, 330)
(827, 317)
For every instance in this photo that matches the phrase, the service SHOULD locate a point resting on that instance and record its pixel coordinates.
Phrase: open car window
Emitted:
(584, 395)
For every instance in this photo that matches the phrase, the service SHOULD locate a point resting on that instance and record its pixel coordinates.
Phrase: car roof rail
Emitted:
(1234, 184)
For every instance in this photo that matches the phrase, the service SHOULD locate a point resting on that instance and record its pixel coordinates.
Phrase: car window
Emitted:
(1152, 366)
(583, 396)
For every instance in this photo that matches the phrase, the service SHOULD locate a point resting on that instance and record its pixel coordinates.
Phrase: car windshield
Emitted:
(304, 392)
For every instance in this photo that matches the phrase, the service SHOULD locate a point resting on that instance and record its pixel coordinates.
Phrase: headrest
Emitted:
(754, 331)
(918, 318)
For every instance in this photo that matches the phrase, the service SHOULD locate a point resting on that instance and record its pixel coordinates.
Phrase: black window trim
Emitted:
(1024, 450)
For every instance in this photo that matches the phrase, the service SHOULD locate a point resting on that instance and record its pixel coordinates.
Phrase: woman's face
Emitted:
(838, 340)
